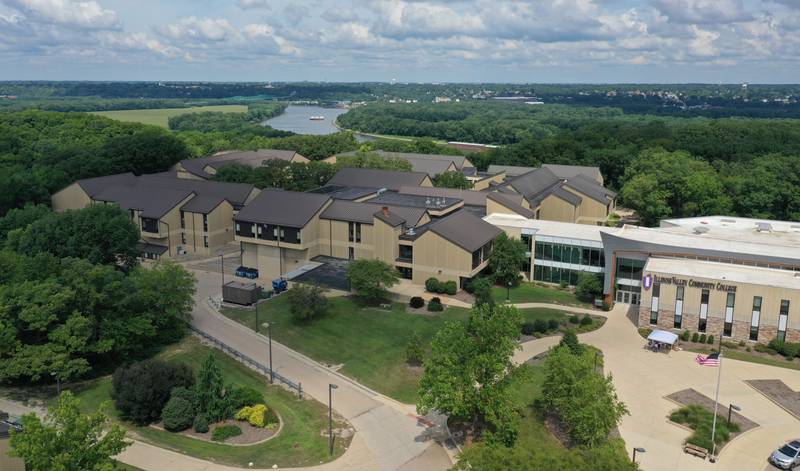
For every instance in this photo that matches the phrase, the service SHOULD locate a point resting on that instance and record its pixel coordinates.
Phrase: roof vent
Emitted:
(427, 201)
(763, 227)
(731, 221)
(380, 191)
(701, 230)
(410, 231)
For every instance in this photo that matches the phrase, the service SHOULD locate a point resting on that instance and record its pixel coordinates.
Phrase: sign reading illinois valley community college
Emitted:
(674, 280)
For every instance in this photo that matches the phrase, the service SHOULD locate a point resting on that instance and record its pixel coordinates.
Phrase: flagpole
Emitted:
(716, 402)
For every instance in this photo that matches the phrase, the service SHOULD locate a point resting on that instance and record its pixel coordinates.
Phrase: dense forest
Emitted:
(662, 166)
(684, 100)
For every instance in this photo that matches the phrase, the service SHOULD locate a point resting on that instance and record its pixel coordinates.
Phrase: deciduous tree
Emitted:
(371, 279)
(507, 259)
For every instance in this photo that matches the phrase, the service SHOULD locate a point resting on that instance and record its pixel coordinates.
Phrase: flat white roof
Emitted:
(541, 227)
(780, 245)
(760, 231)
(724, 272)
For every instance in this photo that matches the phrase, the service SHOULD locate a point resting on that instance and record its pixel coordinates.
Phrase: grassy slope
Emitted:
(160, 116)
(533, 293)
(299, 443)
(369, 342)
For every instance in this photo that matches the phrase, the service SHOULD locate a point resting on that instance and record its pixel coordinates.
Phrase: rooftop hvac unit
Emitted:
(380, 191)
(701, 229)
(763, 227)
(410, 231)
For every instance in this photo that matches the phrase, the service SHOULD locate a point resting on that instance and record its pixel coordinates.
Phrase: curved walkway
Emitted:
(642, 379)
(388, 434)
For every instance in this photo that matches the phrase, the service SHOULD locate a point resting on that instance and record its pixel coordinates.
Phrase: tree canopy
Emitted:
(67, 440)
(467, 373)
(279, 174)
(452, 179)
(507, 259)
(68, 316)
(371, 279)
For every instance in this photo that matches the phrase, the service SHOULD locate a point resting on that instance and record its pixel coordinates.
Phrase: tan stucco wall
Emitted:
(484, 183)
(71, 197)
(553, 208)
(493, 207)
(386, 245)
(334, 240)
(426, 182)
(436, 256)
(220, 229)
(590, 211)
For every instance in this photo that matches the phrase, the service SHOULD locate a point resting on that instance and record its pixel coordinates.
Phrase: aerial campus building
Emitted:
(732, 277)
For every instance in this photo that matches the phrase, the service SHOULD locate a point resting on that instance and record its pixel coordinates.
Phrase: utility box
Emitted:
(241, 293)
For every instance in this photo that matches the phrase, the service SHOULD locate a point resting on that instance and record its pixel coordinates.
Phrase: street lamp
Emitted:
(637, 449)
(269, 333)
(331, 387)
(508, 292)
(58, 382)
(222, 267)
(731, 408)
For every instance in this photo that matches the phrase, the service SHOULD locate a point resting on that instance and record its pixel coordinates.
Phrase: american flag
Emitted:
(712, 359)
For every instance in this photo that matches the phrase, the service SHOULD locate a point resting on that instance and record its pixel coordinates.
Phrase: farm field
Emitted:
(160, 116)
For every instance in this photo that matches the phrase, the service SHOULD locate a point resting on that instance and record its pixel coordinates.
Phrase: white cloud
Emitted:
(247, 4)
(88, 15)
(703, 43)
(201, 29)
(703, 11)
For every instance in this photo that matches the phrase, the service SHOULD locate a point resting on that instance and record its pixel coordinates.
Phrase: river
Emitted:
(296, 119)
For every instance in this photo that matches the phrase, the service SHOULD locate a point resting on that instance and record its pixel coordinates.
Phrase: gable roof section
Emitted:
(153, 203)
(93, 186)
(432, 164)
(533, 183)
(351, 211)
(509, 202)
(511, 170)
(590, 188)
(465, 230)
(251, 158)
(283, 208)
(235, 193)
(202, 204)
(374, 178)
(571, 171)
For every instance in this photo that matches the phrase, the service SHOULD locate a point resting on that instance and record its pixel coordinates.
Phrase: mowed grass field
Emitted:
(160, 116)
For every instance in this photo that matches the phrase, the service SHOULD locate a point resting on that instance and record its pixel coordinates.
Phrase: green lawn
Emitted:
(300, 443)
(369, 342)
(775, 360)
(160, 116)
(534, 293)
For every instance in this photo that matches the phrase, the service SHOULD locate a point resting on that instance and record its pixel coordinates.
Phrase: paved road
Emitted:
(388, 435)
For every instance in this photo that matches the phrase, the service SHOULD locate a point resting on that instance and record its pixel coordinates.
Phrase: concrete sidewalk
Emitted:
(642, 379)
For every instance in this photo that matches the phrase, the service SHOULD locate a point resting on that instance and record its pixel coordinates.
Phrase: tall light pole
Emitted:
(331, 387)
(269, 333)
(713, 458)
(257, 317)
(731, 408)
(508, 292)
(637, 449)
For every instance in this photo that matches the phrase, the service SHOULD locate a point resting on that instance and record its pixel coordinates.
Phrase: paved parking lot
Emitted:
(332, 273)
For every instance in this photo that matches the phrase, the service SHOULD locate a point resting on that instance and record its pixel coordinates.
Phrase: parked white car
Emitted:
(787, 456)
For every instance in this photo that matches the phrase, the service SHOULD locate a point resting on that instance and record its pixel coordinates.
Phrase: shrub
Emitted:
(432, 285)
(183, 393)
(224, 432)
(760, 347)
(239, 397)
(371, 279)
(178, 414)
(685, 336)
(589, 286)
(571, 341)
(141, 390)
(748, 349)
(586, 320)
(702, 338)
(308, 301)
(435, 306)
(450, 287)
(540, 325)
(699, 419)
(416, 302)
(574, 319)
(695, 337)
(414, 350)
(201, 424)
(482, 289)
(741, 343)
(553, 324)
(258, 417)
(563, 285)
(710, 339)
(528, 328)
(210, 391)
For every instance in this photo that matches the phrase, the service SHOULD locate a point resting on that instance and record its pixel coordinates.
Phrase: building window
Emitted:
(527, 239)
(354, 232)
(406, 253)
(783, 320)
(756, 319)
(728, 327)
(629, 269)
(205, 241)
(351, 253)
(654, 304)
(183, 220)
(205, 222)
(678, 308)
(405, 272)
(183, 238)
(701, 325)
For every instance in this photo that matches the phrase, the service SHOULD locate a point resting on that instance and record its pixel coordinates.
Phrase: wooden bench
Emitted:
(695, 450)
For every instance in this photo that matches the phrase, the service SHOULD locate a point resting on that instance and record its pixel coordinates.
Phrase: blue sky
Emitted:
(408, 40)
